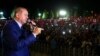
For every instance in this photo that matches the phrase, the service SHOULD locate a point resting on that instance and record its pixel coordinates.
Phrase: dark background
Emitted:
(8, 5)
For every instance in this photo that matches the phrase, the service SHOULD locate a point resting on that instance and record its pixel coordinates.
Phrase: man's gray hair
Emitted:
(16, 10)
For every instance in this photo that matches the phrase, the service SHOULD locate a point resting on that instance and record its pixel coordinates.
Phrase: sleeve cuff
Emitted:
(34, 35)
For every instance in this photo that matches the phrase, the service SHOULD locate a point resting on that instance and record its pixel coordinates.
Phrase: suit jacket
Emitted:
(16, 40)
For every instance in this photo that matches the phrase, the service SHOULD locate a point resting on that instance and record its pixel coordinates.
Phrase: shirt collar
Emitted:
(19, 24)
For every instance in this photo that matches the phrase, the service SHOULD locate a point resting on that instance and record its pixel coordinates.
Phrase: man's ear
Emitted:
(17, 14)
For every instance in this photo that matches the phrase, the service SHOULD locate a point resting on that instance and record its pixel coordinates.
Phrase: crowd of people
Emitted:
(78, 32)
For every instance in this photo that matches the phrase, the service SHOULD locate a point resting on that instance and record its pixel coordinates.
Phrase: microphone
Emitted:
(33, 24)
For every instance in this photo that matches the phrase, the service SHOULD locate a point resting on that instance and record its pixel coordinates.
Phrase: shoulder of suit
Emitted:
(11, 23)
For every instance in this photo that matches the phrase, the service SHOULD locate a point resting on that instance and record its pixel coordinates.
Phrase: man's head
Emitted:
(20, 14)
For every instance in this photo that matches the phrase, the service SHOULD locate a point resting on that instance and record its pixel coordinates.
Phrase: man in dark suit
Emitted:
(16, 40)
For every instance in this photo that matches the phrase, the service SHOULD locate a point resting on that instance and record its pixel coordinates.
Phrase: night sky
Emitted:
(8, 5)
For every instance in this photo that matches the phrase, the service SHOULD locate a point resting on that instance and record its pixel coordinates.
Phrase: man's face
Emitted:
(23, 16)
